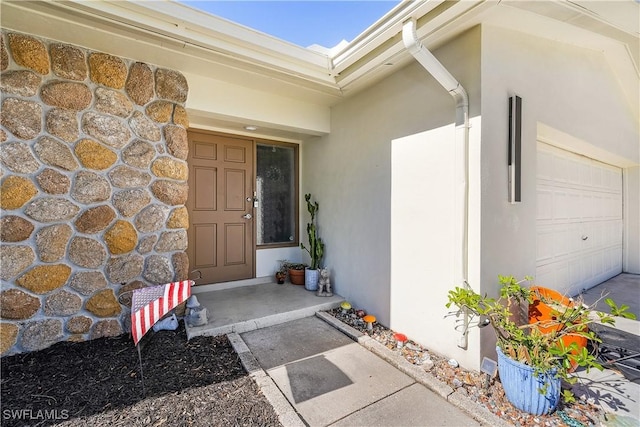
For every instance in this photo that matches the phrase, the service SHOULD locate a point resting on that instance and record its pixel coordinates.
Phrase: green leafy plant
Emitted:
(621, 311)
(316, 245)
(538, 344)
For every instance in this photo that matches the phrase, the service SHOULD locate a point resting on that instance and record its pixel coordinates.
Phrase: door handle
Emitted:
(247, 216)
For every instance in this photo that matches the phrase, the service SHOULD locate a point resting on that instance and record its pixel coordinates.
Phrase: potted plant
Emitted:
(296, 272)
(315, 249)
(533, 358)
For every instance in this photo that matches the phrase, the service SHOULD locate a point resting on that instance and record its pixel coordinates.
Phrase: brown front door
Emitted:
(221, 245)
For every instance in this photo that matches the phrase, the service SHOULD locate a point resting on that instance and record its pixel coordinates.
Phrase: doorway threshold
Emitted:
(246, 308)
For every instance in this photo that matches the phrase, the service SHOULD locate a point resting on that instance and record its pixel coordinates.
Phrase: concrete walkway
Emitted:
(328, 379)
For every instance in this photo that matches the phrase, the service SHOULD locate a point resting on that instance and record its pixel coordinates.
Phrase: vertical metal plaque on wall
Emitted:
(515, 148)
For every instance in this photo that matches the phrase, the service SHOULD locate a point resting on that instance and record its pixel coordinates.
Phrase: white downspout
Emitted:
(455, 89)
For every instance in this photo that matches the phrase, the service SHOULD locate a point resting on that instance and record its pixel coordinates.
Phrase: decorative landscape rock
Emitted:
(140, 83)
(45, 278)
(41, 334)
(130, 202)
(53, 182)
(52, 242)
(20, 82)
(139, 154)
(15, 192)
(68, 62)
(87, 253)
(152, 218)
(63, 123)
(112, 102)
(180, 262)
(179, 218)
(106, 129)
(18, 305)
(90, 187)
(51, 209)
(17, 157)
(55, 153)
(71, 95)
(126, 177)
(95, 219)
(103, 304)
(121, 238)
(14, 260)
(167, 167)
(14, 229)
(107, 70)
(171, 85)
(21, 118)
(88, 282)
(106, 328)
(79, 325)
(29, 52)
(94, 155)
(160, 111)
(177, 141)
(124, 268)
(8, 336)
(170, 192)
(172, 241)
(62, 303)
(158, 270)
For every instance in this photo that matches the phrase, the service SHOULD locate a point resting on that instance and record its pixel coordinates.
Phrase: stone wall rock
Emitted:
(125, 292)
(87, 253)
(93, 185)
(20, 82)
(53, 182)
(68, 62)
(103, 304)
(21, 118)
(63, 123)
(17, 157)
(14, 260)
(52, 242)
(8, 337)
(94, 155)
(107, 70)
(95, 219)
(16, 191)
(45, 278)
(18, 305)
(29, 52)
(62, 303)
(15, 229)
(55, 153)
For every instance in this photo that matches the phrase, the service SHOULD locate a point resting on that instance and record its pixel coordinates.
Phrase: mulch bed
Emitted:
(200, 382)
(473, 384)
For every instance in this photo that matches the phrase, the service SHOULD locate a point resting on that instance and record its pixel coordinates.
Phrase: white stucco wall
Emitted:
(564, 88)
(351, 172)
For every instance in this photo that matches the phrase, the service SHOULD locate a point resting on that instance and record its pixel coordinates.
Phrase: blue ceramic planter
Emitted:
(311, 278)
(522, 387)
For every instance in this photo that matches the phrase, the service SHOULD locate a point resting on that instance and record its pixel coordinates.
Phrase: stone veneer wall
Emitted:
(93, 150)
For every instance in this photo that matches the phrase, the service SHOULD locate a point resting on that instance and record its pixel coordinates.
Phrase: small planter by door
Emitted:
(296, 277)
(311, 278)
(522, 387)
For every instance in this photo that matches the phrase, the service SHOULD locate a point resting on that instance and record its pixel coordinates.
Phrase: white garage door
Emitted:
(579, 221)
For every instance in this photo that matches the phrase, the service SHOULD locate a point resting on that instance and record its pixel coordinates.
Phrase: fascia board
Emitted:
(211, 33)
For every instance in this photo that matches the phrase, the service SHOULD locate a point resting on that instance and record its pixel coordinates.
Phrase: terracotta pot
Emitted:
(296, 277)
(544, 314)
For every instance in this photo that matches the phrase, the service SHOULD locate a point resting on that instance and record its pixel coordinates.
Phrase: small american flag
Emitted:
(148, 305)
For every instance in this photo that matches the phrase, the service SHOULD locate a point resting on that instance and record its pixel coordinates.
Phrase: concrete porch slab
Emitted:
(246, 308)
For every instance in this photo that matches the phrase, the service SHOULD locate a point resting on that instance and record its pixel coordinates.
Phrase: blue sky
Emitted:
(304, 23)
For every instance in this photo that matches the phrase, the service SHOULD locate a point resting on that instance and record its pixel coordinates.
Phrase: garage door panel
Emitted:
(579, 220)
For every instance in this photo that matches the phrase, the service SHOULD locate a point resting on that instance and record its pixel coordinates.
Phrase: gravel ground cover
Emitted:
(200, 382)
(474, 384)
